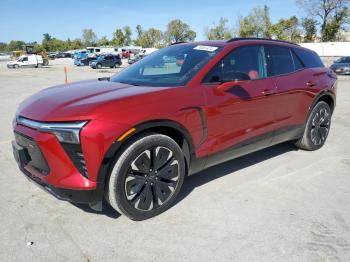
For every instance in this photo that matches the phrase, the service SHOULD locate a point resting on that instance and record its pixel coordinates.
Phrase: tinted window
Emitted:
(297, 62)
(249, 60)
(310, 59)
(280, 61)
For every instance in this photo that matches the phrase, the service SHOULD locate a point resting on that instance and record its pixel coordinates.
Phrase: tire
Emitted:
(46, 62)
(16, 66)
(146, 177)
(116, 65)
(98, 66)
(317, 128)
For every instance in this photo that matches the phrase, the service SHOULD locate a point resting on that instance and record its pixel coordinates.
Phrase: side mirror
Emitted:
(231, 80)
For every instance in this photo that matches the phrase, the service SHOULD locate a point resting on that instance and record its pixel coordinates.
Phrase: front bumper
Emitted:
(44, 161)
(341, 71)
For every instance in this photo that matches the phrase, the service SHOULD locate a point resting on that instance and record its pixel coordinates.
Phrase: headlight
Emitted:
(66, 132)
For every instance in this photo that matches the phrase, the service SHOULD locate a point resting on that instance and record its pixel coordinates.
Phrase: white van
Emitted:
(26, 61)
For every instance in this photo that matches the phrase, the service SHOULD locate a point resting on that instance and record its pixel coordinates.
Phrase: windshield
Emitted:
(171, 66)
(342, 60)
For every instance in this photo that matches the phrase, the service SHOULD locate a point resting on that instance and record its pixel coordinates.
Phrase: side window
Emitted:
(297, 62)
(280, 61)
(310, 59)
(246, 62)
(25, 59)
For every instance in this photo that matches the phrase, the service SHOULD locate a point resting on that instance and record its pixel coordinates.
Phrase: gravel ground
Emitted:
(279, 204)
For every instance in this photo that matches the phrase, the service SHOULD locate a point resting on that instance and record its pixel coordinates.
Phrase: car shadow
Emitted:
(208, 175)
(229, 167)
(107, 210)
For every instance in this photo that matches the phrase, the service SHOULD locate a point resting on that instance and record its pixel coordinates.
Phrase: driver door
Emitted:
(240, 117)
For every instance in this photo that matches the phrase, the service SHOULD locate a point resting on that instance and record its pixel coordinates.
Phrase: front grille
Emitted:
(75, 154)
(37, 159)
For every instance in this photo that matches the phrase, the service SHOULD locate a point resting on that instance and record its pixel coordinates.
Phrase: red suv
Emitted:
(133, 138)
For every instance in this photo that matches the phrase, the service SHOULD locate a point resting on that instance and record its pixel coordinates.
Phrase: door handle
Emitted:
(310, 84)
(267, 92)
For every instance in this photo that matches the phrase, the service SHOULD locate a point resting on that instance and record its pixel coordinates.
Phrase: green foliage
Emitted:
(220, 31)
(15, 45)
(309, 29)
(118, 37)
(334, 25)
(89, 38)
(178, 31)
(256, 24)
(103, 41)
(3, 47)
(332, 14)
(287, 29)
(127, 35)
(150, 38)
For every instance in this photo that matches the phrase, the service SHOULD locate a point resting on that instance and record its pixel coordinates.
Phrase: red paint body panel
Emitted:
(231, 117)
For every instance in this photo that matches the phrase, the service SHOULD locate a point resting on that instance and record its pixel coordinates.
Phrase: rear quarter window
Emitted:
(309, 58)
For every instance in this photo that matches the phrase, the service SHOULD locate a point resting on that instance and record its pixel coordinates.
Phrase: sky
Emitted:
(28, 20)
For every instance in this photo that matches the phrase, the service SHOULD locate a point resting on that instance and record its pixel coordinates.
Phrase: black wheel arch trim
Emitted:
(319, 96)
(188, 147)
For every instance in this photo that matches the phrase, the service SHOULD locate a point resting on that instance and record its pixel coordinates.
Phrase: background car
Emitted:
(106, 61)
(26, 61)
(341, 66)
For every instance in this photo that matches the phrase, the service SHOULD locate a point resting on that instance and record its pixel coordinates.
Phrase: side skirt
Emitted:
(246, 147)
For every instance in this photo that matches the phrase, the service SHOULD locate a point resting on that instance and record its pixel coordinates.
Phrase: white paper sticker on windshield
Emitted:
(206, 48)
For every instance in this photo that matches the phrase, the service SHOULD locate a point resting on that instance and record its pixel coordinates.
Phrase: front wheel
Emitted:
(98, 66)
(147, 177)
(317, 127)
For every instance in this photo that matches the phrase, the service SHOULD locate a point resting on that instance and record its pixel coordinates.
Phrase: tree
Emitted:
(309, 29)
(118, 37)
(178, 31)
(89, 37)
(256, 24)
(287, 29)
(3, 47)
(127, 35)
(333, 27)
(328, 12)
(151, 38)
(139, 30)
(15, 45)
(103, 41)
(47, 37)
(220, 31)
(76, 44)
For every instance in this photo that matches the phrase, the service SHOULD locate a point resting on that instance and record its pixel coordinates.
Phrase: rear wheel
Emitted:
(147, 177)
(98, 66)
(317, 127)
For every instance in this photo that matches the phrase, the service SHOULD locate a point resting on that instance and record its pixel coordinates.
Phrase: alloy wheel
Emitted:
(320, 126)
(152, 178)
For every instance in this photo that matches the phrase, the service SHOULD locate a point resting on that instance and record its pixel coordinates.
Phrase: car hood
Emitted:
(78, 101)
(12, 62)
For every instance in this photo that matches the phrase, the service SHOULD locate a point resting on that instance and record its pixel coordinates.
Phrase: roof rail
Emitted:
(257, 38)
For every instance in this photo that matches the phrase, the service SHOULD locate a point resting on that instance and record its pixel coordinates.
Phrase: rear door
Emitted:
(292, 100)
